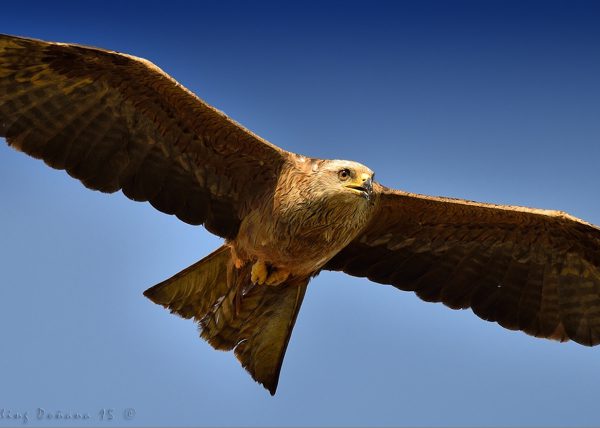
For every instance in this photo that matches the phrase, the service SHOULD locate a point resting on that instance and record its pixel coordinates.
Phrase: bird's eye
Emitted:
(344, 174)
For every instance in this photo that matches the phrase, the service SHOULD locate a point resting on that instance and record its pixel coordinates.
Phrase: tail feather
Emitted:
(266, 338)
(255, 321)
(192, 292)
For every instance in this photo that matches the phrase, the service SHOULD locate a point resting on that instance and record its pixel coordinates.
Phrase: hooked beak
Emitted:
(362, 185)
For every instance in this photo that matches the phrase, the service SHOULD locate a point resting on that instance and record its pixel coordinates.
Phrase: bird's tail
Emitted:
(256, 321)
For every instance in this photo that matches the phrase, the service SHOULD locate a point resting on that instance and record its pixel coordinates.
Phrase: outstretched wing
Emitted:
(115, 121)
(526, 269)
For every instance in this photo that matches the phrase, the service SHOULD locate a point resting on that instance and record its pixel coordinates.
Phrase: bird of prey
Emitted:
(117, 122)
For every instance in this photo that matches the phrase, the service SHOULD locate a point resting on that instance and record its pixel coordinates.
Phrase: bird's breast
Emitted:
(301, 235)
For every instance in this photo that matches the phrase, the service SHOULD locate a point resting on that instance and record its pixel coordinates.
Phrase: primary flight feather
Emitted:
(117, 122)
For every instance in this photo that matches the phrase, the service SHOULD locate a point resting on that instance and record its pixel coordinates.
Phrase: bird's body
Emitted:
(303, 223)
(117, 122)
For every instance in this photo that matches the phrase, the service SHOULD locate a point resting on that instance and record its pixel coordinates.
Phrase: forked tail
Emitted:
(256, 321)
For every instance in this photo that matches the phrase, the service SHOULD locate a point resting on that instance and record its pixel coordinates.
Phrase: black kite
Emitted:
(117, 122)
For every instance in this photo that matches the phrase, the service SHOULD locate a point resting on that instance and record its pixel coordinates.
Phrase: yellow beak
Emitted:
(362, 185)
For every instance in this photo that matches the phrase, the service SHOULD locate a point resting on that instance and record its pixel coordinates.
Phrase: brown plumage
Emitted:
(117, 122)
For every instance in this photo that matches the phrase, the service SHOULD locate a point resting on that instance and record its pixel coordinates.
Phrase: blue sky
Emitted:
(494, 101)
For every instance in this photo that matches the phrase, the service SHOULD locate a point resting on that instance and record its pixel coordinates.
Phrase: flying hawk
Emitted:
(117, 122)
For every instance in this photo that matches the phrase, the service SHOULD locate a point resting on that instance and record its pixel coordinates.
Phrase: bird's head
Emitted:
(348, 177)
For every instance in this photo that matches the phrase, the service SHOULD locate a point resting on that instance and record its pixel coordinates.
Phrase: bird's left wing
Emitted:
(527, 269)
(115, 121)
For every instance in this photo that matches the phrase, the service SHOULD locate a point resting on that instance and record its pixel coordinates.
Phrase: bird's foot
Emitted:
(259, 273)
(262, 274)
(277, 277)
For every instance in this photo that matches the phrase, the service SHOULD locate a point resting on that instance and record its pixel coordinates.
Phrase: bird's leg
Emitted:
(263, 274)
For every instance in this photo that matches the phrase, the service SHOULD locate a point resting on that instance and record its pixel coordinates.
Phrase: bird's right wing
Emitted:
(527, 269)
(115, 121)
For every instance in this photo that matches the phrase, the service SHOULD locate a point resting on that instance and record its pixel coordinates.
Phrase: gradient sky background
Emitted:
(495, 101)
